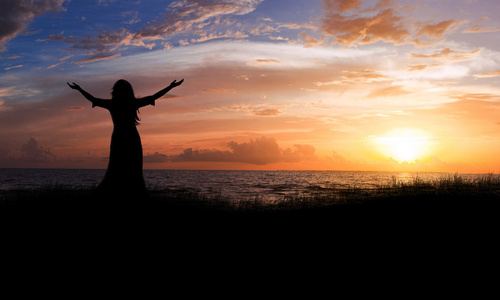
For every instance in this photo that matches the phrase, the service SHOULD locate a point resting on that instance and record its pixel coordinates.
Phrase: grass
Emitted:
(403, 213)
(453, 198)
(416, 221)
(403, 221)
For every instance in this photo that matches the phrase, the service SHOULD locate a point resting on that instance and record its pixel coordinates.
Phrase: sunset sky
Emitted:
(268, 84)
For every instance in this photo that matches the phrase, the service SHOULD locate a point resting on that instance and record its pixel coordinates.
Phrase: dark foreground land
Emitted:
(453, 201)
(449, 225)
(402, 237)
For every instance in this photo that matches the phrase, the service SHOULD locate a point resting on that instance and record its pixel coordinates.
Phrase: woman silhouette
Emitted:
(123, 178)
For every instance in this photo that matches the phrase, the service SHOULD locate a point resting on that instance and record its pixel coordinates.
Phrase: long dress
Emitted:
(123, 180)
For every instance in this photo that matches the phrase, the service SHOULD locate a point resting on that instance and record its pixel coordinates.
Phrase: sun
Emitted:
(404, 145)
(405, 148)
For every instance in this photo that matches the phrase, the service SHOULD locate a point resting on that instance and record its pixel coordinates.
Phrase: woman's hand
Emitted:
(74, 86)
(176, 83)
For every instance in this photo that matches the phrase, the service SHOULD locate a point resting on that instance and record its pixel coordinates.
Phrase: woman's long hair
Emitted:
(123, 95)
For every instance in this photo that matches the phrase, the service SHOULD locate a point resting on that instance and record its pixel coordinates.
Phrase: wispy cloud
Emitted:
(263, 62)
(267, 112)
(488, 74)
(477, 96)
(481, 29)
(13, 67)
(392, 91)
(311, 41)
(75, 108)
(98, 57)
(447, 54)
(219, 91)
(437, 31)
(412, 68)
(364, 76)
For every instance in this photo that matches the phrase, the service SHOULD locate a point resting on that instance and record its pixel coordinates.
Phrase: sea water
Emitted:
(234, 184)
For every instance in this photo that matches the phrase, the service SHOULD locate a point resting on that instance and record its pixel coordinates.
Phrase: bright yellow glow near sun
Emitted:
(404, 145)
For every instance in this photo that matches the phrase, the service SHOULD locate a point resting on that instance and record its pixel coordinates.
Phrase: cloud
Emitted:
(219, 91)
(190, 15)
(267, 112)
(7, 92)
(481, 29)
(260, 151)
(253, 109)
(52, 37)
(263, 29)
(392, 91)
(263, 62)
(98, 57)
(30, 152)
(33, 152)
(75, 108)
(53, 66)
(358, 27)
(447, 54)
(15, 16)
(488, 74)
(364, 76)
(102, 45)
(412, 68)
(477, 96)
(437, 31)
(278, 38)
(131, 16)
(298, 26)
(10, 57)
(311, 41)
(220, 35)
(13, 67)
(155, 158)
(342, 5)
(352, 23)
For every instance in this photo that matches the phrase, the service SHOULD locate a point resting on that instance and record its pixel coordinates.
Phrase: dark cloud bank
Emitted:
(260, 151)
(30, 152)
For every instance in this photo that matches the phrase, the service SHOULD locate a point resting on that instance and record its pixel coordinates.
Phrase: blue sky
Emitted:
(335, 84)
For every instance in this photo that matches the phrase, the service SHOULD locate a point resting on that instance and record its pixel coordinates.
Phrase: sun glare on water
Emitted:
(404, 145)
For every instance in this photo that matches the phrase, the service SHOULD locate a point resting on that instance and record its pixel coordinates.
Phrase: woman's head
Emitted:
(122, 90)
(123, 97)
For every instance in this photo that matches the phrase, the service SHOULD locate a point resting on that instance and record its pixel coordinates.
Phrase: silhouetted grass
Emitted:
(453, 194)
(415, 219)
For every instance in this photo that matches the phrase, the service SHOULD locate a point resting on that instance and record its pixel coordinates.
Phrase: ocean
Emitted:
(232, 184)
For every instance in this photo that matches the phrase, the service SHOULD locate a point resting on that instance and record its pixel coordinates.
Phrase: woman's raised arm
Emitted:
(151, 99)
(95, 101)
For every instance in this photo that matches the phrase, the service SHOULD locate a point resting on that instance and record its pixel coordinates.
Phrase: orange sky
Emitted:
(335, 85)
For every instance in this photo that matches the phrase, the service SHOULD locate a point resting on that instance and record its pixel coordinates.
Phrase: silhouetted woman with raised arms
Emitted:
(123, 178)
